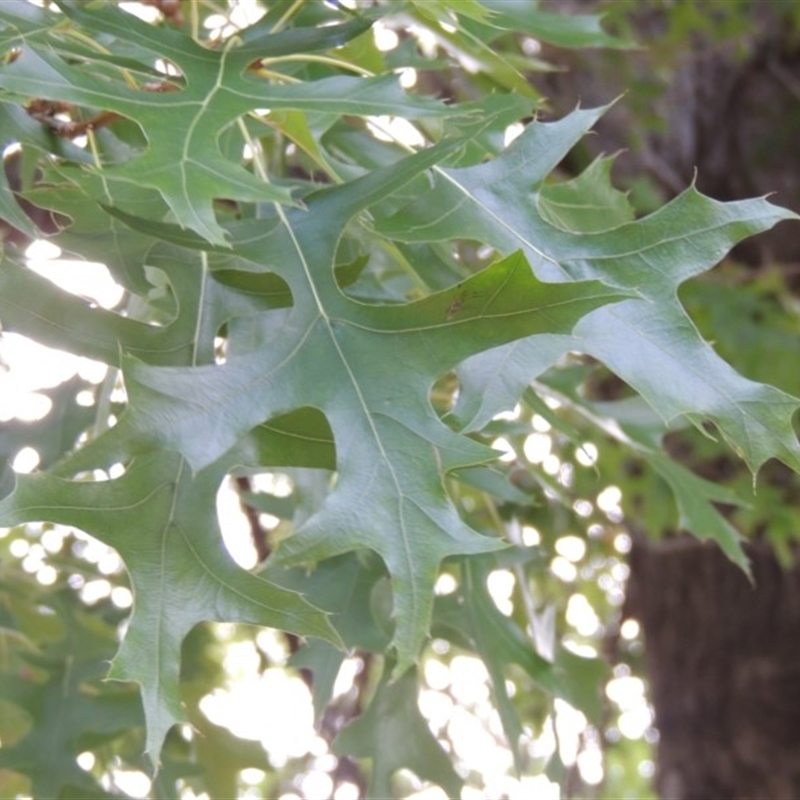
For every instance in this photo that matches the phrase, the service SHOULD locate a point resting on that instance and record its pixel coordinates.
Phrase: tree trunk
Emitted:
(723, 661)
(717, 110)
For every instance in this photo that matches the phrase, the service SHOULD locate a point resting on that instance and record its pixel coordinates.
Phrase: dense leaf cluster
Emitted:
(313, 292)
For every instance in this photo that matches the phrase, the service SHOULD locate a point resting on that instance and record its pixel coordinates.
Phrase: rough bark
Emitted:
(720, 111)
(723, 662)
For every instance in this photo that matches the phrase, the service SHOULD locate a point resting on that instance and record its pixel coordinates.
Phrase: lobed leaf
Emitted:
(650, 342)
(162, 522)
(183, 161)
(342, 356)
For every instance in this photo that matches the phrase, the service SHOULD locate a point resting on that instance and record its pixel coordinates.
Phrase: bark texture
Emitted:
(723, 661)
(722, 111)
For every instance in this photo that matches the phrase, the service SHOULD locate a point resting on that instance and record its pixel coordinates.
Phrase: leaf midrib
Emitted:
(326, 320)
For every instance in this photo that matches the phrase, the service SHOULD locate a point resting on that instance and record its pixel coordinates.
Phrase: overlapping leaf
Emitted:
(55, 433)
(208, 299)
(162, 521)
(574, 30)
(650, 341)
(298, 348)
(394, 734)
(67, 708)
(634, 423)
(500, 643)
(369, 368)
(183, 160)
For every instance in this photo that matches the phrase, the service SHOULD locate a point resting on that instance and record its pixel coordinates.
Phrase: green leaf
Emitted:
(219, 755)
(493, 381)
(343, 586)
(564, 30)
(694, 497)
(96, 236)
(650, 342)
(633, 423)
(746, 314)
(18, 128)
(71, 709)
(209, 298)
(11, 212)
(394, 734)
(464, 42)
(588, 203)
(499, 642)
(324, 663)
(162, 521)
(442, 11)
(340, 355)
(54, 434)
(186, 166)
(303, 302)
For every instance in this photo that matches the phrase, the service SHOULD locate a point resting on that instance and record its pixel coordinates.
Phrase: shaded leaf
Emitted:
(162, 521)
(650, 342)
(187, 167)
(588, 203)
(69, 710)
(394, 734)
(340, 355)
(500, 642)
(564, 30)
(632, 422)
(54, 434)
